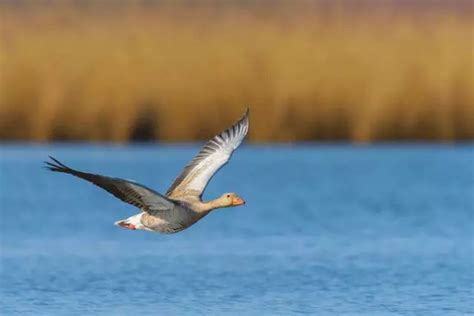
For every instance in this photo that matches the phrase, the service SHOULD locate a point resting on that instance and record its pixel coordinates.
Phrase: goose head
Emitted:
(230, 199)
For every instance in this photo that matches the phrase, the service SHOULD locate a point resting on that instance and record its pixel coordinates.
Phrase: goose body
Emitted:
(182, 204)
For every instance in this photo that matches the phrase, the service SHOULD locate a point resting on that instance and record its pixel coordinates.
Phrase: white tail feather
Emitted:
(135, 220)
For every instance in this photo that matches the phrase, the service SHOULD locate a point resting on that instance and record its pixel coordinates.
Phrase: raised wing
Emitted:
(130, 192)
(215, 154)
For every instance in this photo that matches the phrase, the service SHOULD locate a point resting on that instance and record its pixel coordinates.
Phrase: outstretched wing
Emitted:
(130, 192)
(215, 154)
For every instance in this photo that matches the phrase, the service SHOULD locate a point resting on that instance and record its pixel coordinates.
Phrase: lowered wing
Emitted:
(130, 192)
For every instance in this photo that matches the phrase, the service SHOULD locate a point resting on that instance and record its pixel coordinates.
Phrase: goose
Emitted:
(182, 205)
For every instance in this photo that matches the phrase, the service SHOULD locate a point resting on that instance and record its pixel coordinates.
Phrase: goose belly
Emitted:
(168, 222)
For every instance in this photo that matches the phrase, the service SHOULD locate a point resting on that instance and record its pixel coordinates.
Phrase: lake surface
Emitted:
(327, 230)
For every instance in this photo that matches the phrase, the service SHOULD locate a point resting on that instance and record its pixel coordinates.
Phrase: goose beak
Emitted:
(238, 201)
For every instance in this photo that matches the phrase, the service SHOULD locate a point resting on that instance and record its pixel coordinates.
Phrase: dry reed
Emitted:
(175, 73)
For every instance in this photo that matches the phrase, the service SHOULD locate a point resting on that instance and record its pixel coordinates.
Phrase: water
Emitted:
(327, 230)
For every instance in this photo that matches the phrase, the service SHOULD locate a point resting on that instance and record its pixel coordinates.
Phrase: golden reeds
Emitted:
(175, 73)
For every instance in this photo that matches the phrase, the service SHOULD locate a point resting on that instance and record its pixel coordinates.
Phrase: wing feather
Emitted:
(130, 192)
(213, 156)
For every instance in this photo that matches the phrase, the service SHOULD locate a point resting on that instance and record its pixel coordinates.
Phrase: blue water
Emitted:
(327, 230)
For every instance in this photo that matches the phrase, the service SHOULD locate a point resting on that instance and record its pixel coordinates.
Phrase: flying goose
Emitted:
(182, 205)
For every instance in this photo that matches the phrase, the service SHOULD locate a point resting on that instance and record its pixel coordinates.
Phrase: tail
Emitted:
(125, 224)
(133, 222)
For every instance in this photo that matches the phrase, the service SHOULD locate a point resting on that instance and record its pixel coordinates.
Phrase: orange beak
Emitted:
(237, 201)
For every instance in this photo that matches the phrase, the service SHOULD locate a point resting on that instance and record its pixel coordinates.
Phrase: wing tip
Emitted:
(244, 120)
(246, 114)
(55, 165)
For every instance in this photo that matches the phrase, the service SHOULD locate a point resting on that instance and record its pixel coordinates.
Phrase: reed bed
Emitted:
(176, 73)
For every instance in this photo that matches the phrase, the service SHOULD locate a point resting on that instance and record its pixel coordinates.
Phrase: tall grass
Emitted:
(176, 73)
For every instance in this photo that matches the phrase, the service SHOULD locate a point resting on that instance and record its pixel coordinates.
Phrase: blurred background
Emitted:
(121, 71)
